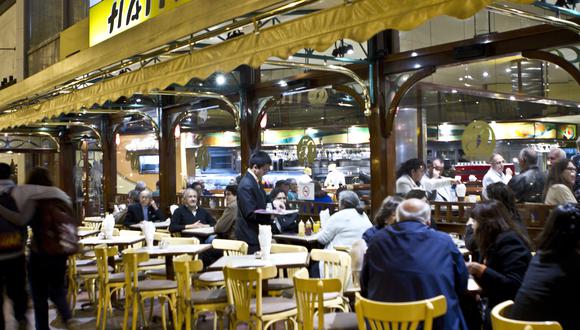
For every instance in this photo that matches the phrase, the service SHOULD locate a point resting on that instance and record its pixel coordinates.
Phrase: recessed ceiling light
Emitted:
(414, 54)
(508, 70)
(220, 79)
(485, 74)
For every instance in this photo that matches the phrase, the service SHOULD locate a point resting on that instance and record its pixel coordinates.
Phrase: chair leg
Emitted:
(128, 301)
(99, 307)
(106, 304)
(172, 306)
(136, 305)
(188, 318)
(163, 320)
(142, 310)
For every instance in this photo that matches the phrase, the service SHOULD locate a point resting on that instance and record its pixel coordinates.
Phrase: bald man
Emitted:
(419, 262)
(555, 155)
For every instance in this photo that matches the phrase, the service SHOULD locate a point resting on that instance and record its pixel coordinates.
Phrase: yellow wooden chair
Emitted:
(500, 322)
(230, 248)
(108, 283)
(161, 273)
(309, 294)
(80, 270)
(400, 315)
(283, 281)
(335, 264)
(137, 291)
(242, 285)
(200, 301)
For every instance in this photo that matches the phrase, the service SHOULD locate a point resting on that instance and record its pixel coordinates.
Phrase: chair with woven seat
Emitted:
(242, 284)
(283, 281)
(108, 283)
(200, 301)
(137, 291)
(399, 315)
(230, 248)
(500, 322)
(309, 294)
(334, 264)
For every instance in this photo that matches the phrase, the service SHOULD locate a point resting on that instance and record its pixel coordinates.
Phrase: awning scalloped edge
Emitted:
(358, 21)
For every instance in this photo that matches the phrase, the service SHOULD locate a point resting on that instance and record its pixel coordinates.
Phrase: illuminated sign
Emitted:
(108, 18)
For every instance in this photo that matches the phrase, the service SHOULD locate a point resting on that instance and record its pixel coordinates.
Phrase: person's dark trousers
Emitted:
(210, 256)
(47, 276)
(13, 280)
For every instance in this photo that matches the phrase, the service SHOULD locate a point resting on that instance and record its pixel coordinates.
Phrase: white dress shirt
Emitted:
(493, 176)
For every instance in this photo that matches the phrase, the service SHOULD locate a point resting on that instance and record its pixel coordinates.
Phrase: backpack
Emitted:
(57, 228)
(12, 237)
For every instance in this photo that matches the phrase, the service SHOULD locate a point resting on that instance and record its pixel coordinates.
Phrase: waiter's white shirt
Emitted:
(493, 176)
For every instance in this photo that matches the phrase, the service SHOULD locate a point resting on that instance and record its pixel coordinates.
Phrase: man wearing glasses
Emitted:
(495, 173)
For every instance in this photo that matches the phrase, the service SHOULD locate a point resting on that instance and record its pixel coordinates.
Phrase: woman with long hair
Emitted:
(500, 192)
(561, 179)
(551, 288)
(504, 254)
(385, 216)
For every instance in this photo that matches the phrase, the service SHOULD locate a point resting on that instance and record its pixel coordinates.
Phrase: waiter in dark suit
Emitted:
(251, 197)
(145, 210)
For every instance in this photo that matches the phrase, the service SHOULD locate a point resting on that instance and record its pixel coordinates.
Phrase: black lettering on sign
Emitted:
(111, 19)
(130, 15)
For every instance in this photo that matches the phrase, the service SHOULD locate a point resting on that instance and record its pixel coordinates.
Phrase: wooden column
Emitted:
(382, 148)
(167, 154)
(249, 137)
(109, 163)
(66, 159)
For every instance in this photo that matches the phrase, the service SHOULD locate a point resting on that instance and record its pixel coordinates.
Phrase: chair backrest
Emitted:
(230, 247)
(500, 322)
(357, 253)
(184, 266)
(335, 264)
(287, 248)
(158, 236)
(102, 254)
(309, 294)
(180, 240)
(242, 284)
(131, 260)
(401, 315)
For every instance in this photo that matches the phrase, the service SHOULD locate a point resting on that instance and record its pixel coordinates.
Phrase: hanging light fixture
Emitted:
(264, 121)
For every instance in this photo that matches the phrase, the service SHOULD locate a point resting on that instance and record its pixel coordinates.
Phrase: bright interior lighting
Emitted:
(454, 91)
(282, 83)
(512, 98)
(220, 79)
(414, 54)
(485, 74)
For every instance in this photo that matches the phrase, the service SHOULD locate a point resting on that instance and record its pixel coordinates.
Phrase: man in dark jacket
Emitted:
(252, 197)
(145, 210)
(528, 186)
(419, 263)
(190, 215)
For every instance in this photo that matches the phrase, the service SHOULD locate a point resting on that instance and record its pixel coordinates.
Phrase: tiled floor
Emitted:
(85, 318)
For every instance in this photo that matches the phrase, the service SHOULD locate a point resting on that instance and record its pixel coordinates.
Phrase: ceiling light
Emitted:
(283, 83)
(508, 70)
(460, 78)
(454, 91)
(512, 98)
(342, 49)
(417, 66)
(220, 79)
(414, 54)
(485, 74)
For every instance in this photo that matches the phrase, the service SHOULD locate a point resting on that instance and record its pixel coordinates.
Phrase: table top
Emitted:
(472, 286)
(275, 211)
(162, 224)
(295, 237)
(86, 233)
(174, 249)
(280, 260)
(115, 240)
(200, 231)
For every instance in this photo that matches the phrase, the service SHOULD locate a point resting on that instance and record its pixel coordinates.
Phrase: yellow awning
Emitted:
(358, 21)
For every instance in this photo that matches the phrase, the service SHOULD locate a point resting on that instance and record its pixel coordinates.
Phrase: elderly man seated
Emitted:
(409, 261)
(145, 210)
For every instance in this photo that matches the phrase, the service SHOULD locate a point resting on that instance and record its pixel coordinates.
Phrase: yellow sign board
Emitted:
(111, 17)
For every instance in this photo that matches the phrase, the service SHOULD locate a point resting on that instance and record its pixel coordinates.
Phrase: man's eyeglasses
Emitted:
(571, 169)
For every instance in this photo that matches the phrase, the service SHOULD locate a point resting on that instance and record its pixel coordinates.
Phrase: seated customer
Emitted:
(189, 214)
(561, 179)
(550, 289)
(145, 210)
(504, 254)
(385, 216)
(224, 227)
(286, 222)
(347, 225)
(409, 261)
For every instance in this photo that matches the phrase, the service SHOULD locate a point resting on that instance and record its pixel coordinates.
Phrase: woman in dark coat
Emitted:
(551, 287)
(504, 254)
